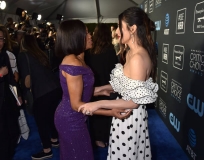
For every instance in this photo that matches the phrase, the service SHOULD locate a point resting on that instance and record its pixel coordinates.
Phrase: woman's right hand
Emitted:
(121, 113)
(4, 71)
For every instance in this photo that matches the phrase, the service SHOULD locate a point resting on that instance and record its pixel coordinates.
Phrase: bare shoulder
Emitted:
(141, 58)
(71, 60)
(139, 65)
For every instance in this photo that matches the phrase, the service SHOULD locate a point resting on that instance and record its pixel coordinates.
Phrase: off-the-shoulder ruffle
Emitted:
(75, 70)
(140, 92)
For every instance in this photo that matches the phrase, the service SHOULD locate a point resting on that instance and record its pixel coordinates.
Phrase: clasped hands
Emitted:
(90, 108)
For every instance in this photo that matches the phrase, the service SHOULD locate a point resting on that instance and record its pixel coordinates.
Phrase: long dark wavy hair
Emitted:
(136, 16)
(29, 45)
(101, 39)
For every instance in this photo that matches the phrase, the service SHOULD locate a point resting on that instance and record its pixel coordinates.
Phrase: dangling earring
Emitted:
(132, 38)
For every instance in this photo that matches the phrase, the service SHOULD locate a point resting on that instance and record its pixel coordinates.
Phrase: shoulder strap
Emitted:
(29, 69)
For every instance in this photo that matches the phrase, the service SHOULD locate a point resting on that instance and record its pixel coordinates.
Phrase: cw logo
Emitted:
(192, 101)
(174, 122)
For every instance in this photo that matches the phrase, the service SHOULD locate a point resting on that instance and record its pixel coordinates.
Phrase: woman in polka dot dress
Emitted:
(129, 138)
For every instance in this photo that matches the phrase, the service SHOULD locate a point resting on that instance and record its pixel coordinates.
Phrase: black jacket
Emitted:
(43, 80)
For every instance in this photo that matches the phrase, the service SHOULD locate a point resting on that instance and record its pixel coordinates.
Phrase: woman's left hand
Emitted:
(88, 108)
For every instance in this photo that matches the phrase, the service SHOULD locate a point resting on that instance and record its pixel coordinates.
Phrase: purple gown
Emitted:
(75, 143)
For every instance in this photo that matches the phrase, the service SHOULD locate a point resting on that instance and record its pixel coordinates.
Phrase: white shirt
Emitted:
(12, 60)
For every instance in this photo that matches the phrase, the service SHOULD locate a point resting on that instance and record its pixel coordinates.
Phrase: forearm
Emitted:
(103, 112)
(119, 104)
(106, 87)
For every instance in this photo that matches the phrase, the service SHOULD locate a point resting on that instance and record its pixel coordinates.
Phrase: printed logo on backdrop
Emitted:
(167, 21)
(162, 107)
(165, 53)
(195, 104)
(158, 3)
(174, 122)
(164, 81)
(145, 6)
(197, 62)
(178, 57)
(192, 141)
(176, 90)
(198, 22)
(158, 25)
(151, 6)
(181, 21)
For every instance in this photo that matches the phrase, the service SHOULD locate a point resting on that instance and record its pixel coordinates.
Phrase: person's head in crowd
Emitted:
(18, 35)
(5, 42)
(9, 24)
(101, 38)
(10, 20)
(135, 26)
(29, 44)
(72, 38)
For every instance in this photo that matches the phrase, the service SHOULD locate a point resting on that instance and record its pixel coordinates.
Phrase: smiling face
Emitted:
(88, 40)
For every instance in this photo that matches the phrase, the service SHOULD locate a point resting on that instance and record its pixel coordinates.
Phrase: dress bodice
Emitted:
(140, 92)
(87, 76)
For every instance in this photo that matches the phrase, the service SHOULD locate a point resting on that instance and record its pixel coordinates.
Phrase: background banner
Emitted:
(179, 38)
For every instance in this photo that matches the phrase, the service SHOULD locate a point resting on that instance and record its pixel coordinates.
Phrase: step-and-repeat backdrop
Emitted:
(179, 38)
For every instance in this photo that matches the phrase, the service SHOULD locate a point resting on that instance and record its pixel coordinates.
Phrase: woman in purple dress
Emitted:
(77, 83)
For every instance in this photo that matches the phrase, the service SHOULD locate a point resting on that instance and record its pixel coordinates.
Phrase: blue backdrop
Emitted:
(179, 38)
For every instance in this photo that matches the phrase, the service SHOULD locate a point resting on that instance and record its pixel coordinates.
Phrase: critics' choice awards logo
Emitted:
(198, 23)
(195, 104)
(157, 25)
(164, 81)
(151, 6)
(181, 21)
(174, 122)
(178, 57)
(197, 62)
(145, 6)
(192, 141)
(165, 53)
(162, 107)
(158, 3)
(176, 90)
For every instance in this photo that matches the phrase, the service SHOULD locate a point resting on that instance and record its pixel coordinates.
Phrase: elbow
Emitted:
(75, 105)
(75, 108)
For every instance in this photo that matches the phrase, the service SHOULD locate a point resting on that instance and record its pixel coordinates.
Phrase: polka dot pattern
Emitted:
(130, 137)
(140, 92)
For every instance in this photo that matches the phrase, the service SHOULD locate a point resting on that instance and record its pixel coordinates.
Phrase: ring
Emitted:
(87, 113)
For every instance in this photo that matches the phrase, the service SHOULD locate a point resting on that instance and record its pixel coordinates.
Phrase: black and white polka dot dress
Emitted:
(129, 138)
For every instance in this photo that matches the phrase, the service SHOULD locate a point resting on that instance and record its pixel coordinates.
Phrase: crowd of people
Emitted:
(94, 95)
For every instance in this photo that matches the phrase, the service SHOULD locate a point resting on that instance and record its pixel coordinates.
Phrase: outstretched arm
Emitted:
(107, 104)
(118, 113)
